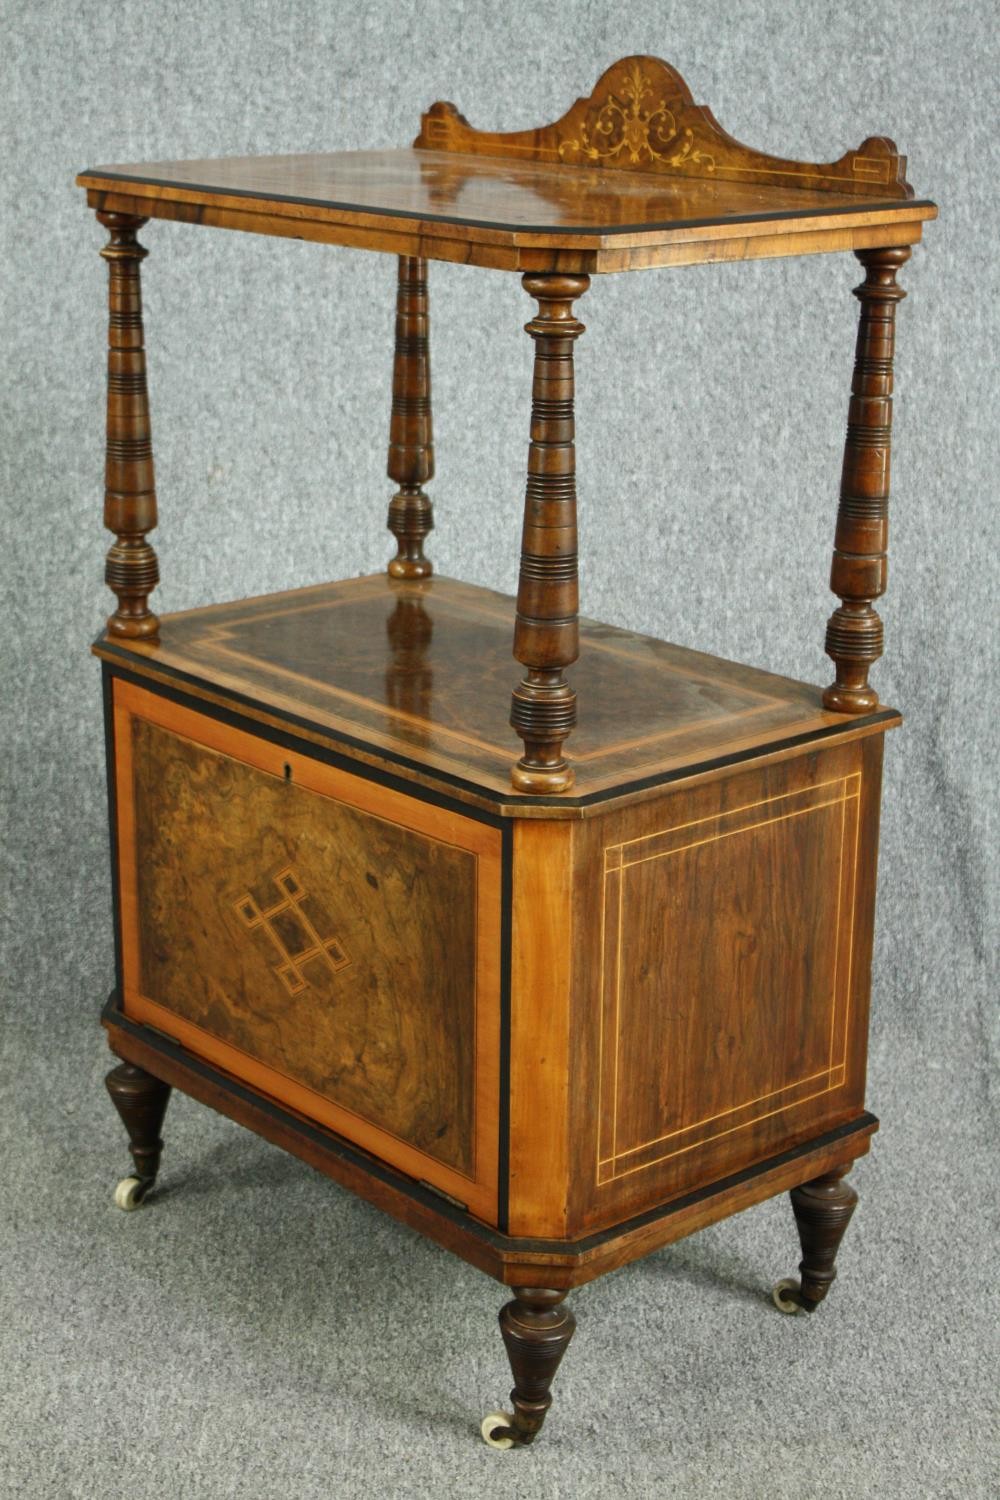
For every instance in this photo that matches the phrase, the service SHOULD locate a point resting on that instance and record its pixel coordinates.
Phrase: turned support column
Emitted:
(129, 493)
(858, 575)
(536, 1328)
(823, 1210)
(411, 439)
(546, 636)
(141, 1101)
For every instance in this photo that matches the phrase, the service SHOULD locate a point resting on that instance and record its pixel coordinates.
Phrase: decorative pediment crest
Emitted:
(641, 117)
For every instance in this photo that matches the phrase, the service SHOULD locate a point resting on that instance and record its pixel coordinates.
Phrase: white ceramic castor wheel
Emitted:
(780, 1295)
(130, 1193)
(496, 1430)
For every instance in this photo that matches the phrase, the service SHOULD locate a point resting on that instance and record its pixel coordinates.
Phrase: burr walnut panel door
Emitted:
(331, 942)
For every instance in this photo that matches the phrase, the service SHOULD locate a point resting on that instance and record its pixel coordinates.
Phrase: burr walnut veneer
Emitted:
(553, 1008)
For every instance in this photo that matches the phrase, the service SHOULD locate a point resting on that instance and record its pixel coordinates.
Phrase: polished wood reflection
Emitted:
(422, 670)
(510, 214)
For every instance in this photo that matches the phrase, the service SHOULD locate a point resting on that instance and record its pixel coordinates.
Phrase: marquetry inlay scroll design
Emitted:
(290, 968)
(643, 897)
(637, 126)
(641, 117)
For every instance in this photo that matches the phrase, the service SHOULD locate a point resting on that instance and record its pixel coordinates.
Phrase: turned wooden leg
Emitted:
(411, 439)
(858, 575)
(823, 1210)
(536, 1331)
(141, 1101)
(129, 495)
(546, 636)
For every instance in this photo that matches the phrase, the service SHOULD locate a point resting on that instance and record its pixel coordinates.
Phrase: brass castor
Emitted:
(823, 1210)
(536, 1329)
(498, 1430)
(141, 1102)
(786, 1295)
(131, 1192)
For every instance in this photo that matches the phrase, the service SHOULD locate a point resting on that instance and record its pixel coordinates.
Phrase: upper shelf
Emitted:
(634, 175)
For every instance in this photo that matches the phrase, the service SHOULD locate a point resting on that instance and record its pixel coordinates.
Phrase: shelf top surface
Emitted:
(484, 196)
(416, 678)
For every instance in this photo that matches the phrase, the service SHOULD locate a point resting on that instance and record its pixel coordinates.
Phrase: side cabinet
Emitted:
(705, 961)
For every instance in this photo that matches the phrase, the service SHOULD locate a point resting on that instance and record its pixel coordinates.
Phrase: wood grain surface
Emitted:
(541, 1019)
(726, 970)
(519, 214)
(716, 1007)
(334, 943)
(422, 672)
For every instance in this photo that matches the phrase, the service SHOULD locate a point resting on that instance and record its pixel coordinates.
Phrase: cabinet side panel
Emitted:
(722, 946)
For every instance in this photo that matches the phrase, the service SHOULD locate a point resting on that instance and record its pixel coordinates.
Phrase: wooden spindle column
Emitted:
(536, 1328)
(141, 1102)
(129, 495)
(858, 575)
(546, 636)
(411, 438)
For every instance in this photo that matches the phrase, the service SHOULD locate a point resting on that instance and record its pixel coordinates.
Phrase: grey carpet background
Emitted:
(260, 1333)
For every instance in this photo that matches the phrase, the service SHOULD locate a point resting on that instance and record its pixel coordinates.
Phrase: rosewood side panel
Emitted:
(705, 961)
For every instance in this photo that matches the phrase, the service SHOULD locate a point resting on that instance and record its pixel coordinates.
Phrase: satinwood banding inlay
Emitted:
(781, 945)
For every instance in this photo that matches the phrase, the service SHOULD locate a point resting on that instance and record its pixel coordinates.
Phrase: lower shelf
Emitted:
(416, 678)
(512, 1261)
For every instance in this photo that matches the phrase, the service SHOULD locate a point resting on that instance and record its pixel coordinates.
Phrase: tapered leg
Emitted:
(546, 632)
(536, 1331)
(823, 1210)
(141, 1101)
(858, 574)
(132, 571)
(411, 439)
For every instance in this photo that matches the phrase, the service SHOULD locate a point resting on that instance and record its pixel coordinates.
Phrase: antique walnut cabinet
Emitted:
(553, 1009)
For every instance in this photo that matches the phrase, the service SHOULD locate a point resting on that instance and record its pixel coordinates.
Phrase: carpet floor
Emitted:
(255, 1331)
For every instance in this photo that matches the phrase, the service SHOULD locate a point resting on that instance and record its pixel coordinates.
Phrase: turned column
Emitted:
(141, 1101)
(823, 1210)
(129, 495)
(858, 575)
(536, 1328)
(546, 636)
(411, 439)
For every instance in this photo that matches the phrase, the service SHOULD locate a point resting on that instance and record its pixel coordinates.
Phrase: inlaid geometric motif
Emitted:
(289, 966)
